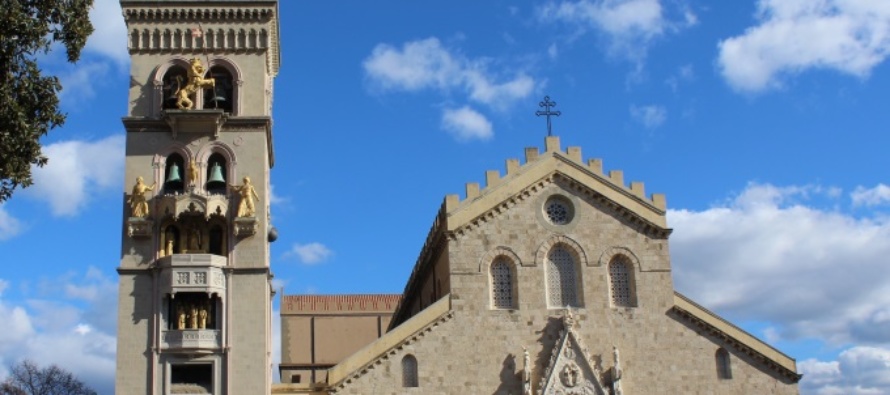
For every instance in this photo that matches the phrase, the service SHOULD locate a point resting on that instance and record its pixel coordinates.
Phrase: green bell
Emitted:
(174, 176)
(216, 178)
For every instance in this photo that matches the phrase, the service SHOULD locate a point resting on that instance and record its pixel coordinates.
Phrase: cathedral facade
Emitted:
(554, 277)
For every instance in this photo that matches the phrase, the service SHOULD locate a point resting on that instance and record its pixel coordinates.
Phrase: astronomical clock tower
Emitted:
(194, 304)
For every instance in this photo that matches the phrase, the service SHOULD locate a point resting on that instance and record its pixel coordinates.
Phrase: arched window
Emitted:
(409, 371)
(561, 278)
(220, 96)
(175, 78)
(173, 175)
(724, 364)
(216, 174)
(502, 283)
(621, 282)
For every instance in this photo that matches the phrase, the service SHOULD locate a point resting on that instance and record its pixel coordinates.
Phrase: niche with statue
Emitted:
(194, 234)
(192, 310)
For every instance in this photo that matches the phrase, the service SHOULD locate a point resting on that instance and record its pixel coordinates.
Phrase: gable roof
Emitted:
(736, 337)
(456, 216)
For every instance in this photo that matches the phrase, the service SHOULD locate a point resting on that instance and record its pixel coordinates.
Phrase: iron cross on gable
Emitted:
(547, 104)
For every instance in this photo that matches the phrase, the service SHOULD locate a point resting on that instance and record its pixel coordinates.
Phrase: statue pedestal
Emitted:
(139, 227)
(245, 226)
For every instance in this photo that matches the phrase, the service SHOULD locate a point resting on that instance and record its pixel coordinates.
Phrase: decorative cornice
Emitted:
(215, 14)
(295, 304)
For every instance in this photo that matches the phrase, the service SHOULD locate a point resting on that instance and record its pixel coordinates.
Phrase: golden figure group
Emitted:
(196, 81)
(192, 315)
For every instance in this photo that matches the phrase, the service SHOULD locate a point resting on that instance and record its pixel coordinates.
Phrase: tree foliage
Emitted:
(29, 106)
(27, 378)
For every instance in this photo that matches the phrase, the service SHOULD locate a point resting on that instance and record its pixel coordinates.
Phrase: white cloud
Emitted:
(79, 82)
(651, 116)
(276, 199)
(792, 36)
(766, 256)
(311, 253)
(466, 124)
(878, 195)
(110, 35)
(56, 331)
(9, 225)
(629, 26)
(858, 370)
(76, 171)
(426, 64)
(553, 51)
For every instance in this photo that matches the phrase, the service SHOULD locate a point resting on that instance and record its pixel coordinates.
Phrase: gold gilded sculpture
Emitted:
(246, 208)
(193, 317)
(138, 204)
(180, 312)
(202, 317)
(193, 174)
(196, 81)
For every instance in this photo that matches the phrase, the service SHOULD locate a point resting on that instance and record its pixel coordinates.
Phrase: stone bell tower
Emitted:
(194, 305)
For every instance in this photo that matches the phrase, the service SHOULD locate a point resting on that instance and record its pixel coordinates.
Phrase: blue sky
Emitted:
(764, 122)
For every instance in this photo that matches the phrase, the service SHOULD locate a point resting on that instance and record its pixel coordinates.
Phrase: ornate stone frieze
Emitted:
(189, 339)
(571, 371)
(195, 203)
(139, 227)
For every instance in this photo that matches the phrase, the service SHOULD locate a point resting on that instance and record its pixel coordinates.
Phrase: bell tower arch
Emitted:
(195, 296)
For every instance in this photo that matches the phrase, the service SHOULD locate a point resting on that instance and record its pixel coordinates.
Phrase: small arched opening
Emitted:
(173, 175)
(216, 174)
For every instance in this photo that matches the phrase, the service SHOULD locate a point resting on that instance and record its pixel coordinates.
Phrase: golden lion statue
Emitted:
(196, 81)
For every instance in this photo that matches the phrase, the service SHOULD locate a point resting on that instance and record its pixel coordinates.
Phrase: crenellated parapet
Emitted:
(541, 169)
(614, 178)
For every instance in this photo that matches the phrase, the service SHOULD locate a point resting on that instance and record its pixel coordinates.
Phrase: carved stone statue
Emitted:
(193, 174)
(526, 373)
(194, 240)
(138, 203)
(246, 207)
(169, 250)
(196, 81)
(616, 373)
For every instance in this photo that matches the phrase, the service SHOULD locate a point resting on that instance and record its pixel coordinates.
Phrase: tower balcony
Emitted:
(192, 273)
(191, 339)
